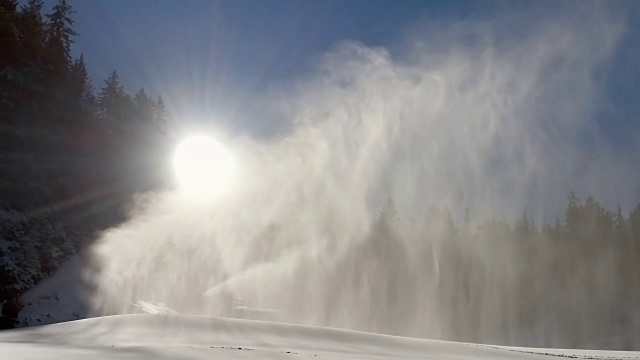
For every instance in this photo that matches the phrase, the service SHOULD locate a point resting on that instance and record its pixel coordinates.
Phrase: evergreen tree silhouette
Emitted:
(59, 37)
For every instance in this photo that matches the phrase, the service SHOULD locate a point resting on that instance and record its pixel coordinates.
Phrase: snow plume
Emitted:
(494, 116)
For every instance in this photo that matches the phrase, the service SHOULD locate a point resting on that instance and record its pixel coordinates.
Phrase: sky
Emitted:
(252, 42)
(226, 63)
(219, 54)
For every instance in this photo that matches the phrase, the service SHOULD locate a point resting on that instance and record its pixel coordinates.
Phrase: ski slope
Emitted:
(154, 336)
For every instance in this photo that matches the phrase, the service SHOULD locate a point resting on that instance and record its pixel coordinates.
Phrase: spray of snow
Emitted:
(466, 116)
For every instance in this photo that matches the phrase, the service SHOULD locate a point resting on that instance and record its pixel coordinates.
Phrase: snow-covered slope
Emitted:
(151, 336)
(32, 248)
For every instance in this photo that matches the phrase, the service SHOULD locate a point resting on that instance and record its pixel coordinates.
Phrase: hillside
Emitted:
(190, 337)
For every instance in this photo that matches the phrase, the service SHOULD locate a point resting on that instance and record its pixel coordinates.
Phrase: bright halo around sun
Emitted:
(203, 165)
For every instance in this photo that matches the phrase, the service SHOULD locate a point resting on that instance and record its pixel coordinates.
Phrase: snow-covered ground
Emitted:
(159, 332)
(170, 336)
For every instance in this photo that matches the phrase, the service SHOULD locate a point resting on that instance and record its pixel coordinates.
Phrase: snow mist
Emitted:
(467, 116)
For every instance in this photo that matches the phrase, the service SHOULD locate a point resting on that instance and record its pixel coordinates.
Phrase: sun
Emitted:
(202, 165)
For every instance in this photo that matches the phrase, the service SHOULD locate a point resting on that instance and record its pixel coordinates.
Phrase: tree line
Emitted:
(38, 70)
(572, 283)
(70, 155)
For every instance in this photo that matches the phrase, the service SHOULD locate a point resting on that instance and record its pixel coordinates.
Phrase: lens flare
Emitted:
(202, 165)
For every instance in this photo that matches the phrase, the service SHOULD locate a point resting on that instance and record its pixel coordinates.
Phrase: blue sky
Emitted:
(219, 62)
(218, 54)
(253, 42)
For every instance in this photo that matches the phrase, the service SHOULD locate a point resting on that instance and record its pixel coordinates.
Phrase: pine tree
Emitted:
(634, 228)
(618, 221)
(160, 116)
(80, 83)
(9, 6)
(572, 213)
(9, 35)
(144, 107)
(113, 100)
(59, 36)
(31, 26)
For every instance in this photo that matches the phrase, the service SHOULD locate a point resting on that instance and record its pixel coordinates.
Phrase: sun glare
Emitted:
(202, 165)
